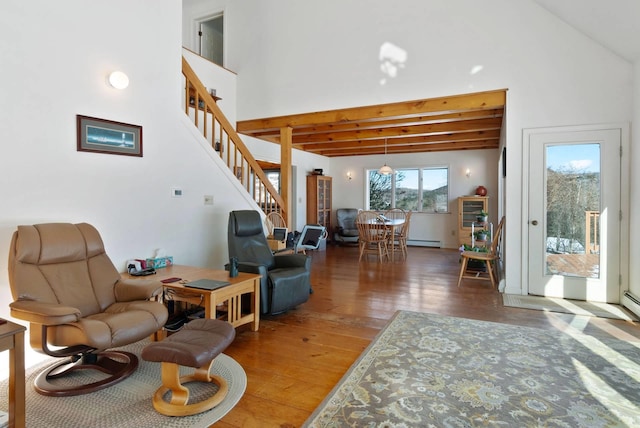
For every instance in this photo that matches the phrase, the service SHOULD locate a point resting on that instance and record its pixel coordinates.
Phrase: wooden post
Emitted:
(286, 144)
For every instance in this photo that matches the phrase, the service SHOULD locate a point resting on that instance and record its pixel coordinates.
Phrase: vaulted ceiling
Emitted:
(613, 23)
(458, 122)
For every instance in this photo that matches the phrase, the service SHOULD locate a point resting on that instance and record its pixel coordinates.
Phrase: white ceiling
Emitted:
(615, 24)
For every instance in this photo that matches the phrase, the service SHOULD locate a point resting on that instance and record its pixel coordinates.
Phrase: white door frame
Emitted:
(624, 196)
(195, 28)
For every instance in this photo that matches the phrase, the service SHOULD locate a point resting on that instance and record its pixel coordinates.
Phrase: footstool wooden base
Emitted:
(196, 345)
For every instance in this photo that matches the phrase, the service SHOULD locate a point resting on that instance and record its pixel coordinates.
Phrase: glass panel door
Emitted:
(574, 207)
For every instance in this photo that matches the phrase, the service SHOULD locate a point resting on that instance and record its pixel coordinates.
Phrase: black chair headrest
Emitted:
(247, 223)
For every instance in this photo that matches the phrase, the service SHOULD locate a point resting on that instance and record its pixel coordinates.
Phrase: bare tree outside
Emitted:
(572, 199)
(379, 191)
(411, 189)
(570, 195)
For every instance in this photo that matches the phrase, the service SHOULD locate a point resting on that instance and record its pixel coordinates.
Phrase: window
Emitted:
(274, 178)
(415, 189)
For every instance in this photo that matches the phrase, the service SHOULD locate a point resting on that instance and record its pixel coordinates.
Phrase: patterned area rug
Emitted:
(429, 370)
(577, 307)
(127, 403)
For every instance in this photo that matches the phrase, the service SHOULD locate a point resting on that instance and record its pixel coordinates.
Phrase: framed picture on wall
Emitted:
(106, 136)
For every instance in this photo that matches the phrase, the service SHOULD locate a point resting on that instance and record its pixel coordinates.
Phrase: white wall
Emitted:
(55, 59)
(294, 57)
(225, 82)
(634, 200)
(215, 77)
(194, 11)
(303, 163)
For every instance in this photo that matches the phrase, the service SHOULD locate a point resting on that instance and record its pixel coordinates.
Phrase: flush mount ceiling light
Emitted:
(118, 80)
(385, 169)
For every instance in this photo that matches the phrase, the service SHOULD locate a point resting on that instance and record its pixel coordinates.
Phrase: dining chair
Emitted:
(395, 213)
(398, 236)
(373, 235)
(272, 220)
(490, 258)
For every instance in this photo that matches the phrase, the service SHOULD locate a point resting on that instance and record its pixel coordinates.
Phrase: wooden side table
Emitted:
(244, 283)
(12, 339)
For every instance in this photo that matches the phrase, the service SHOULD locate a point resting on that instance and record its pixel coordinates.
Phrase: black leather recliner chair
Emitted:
(286, 279)
(346, 231)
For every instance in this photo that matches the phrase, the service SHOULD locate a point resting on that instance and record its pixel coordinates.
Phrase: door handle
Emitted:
(534, 222)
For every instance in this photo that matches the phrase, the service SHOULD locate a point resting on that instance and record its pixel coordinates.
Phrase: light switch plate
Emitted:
(176, 192)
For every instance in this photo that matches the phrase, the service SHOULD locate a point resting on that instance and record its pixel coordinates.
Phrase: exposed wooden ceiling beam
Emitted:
(416, 148)
(479, 100)
(350, 126)
(396, 131)
(459, 122)
(395, 143)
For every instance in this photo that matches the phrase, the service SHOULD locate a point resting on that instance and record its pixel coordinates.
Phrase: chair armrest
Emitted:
(249, 267)
(128, 290)
(44, 313)
(292, 260)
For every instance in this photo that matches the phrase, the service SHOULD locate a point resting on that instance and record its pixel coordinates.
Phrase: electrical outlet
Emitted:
(208, 199)
(176, 192)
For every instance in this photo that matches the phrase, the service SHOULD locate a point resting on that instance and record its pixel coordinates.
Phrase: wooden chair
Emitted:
(490, 259)
(395, 213)
(274, 219)
(373, 235)
(398, 240)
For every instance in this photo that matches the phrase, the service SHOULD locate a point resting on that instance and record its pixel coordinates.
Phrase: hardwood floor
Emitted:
(295, 359)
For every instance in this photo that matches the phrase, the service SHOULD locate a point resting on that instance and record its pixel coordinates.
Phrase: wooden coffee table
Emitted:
(244, 283)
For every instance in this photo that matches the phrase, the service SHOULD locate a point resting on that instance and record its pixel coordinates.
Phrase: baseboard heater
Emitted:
(424, 243)
(631, 302)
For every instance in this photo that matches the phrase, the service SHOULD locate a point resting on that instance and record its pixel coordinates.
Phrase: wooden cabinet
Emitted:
(469, 207)
(319, 201)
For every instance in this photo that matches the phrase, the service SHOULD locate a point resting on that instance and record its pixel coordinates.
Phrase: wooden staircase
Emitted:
(202, 109)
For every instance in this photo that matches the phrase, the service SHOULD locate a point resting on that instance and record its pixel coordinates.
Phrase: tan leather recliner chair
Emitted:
(67, 288)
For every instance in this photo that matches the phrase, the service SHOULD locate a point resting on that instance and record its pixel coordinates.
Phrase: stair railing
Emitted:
(201, 108)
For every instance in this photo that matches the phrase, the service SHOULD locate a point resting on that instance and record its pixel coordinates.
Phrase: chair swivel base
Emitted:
(212, 337)
(179, 403)
(117, 364)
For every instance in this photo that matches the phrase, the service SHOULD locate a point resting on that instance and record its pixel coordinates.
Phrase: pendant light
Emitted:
(385, 169)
